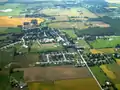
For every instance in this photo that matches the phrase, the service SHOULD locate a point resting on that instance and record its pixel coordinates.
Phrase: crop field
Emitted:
(27, 59)
(68, 25)
(14, 22)
(61, 18)
(46, 47)
(4, 30)
(4, 81)
(74, 84)
(47, 73)
(16, 9)
(104, 50)
(108, 72)
(82, 43)
(101, 77)
(71, 33)
(118, 61)
(105, 43)
(69, 12)
(115, 68)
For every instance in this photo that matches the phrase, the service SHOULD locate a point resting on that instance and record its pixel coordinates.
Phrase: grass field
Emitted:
(110, 42)
(4, 30)
(16, 9)
(69, 12)
(115, 68)
(4, 81)
(82, 43)
(68, 25)
(108, 72)
(71, 33)
(14, 22)
(46, 47)
(118, 61)
(104, 50)
(99, 74)
(19, 76)
(75, 84)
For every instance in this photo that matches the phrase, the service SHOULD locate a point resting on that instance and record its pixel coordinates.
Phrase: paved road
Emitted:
(90, 70)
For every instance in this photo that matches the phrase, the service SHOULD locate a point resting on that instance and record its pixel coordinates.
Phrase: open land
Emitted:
(14, 22)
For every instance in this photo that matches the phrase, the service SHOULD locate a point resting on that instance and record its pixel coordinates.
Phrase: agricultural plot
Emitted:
(74, 84)
(104, 50)
(82, 43)
(115, 68)
(5, 30)
(108, 72)
(105, 43)
(68, 25)
(61, 18)
(69, 12)
(4, 81)
(71, 33)
(14, 22)
(11, 9)
(36, 47)
(118, 61)
(101, 77)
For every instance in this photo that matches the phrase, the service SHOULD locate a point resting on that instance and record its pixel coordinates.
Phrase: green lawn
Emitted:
(71, 33)
(99, 74)
(105, 43)
(17, 8)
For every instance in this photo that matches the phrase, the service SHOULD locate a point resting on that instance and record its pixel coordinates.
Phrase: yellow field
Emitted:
(109, 73)
(118, 61)
(5, 21)
(105, 50)
(118, 86)
(76, 84)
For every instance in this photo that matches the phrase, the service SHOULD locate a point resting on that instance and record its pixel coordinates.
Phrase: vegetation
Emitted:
(71, 33)
(99, 74)
(110, 42)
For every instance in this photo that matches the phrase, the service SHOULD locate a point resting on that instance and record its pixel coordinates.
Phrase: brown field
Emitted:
(54, 73)
(5, 21)
(74, 84)
(105, 50)
(109, 73)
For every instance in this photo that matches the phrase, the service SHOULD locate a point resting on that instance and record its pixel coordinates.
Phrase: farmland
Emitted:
(101, 77)
(69, 12)
(109, 73)
(104, 50)
(68, 25)
(46, 47)
(76, 84)
(71, 33)
(109, 42)
(14, 22)
(16, 9)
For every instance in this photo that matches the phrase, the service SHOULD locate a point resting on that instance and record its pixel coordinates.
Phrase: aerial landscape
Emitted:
(59, 45)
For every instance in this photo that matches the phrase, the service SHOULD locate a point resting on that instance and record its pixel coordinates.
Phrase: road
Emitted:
(90, 70)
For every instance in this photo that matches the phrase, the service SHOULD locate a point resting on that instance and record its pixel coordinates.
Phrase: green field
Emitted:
(19, 76)
(82, 43)
(4, 30)
(17, 8)
(46, 47)
(4, 81)
(99, 74)
(71, 33)
(105, 43)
